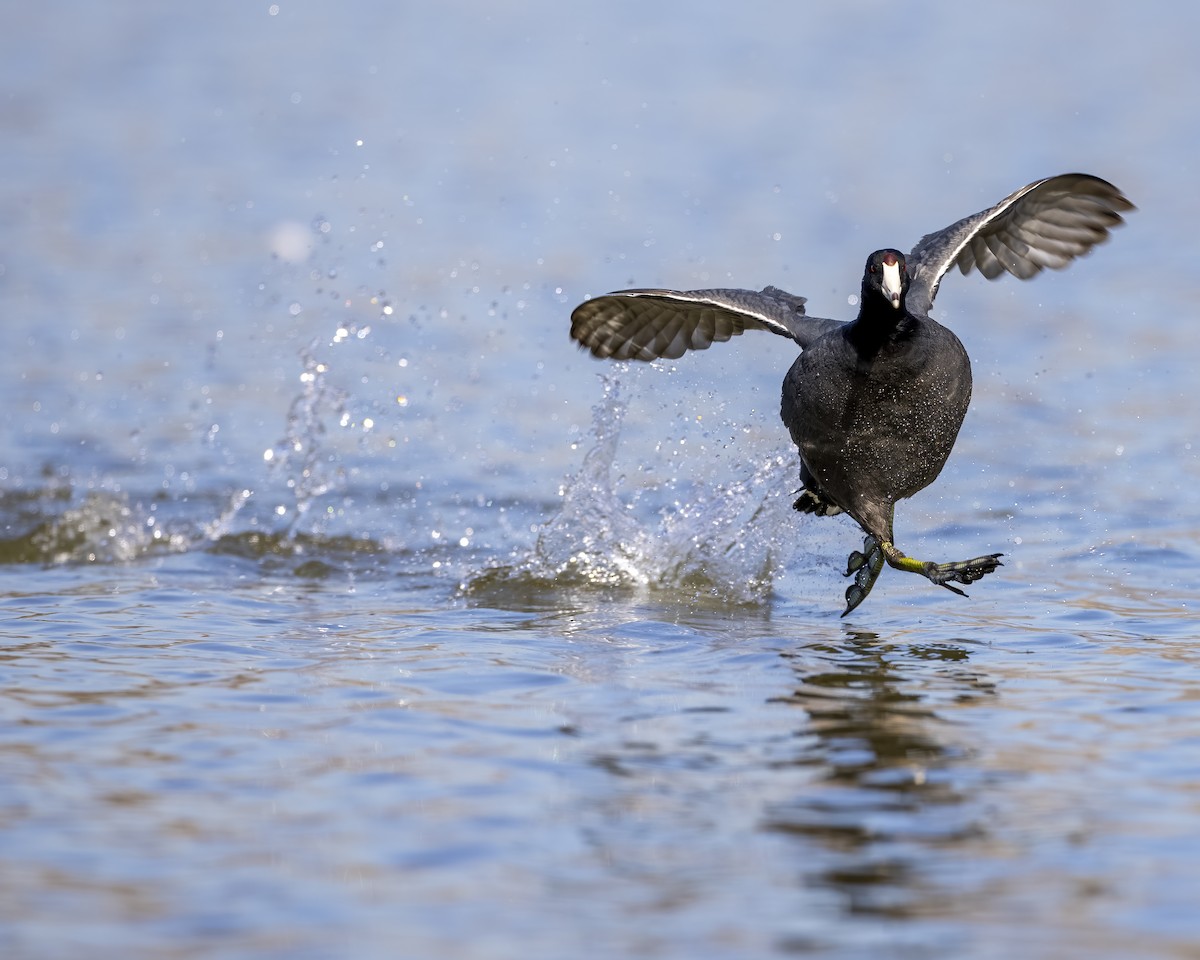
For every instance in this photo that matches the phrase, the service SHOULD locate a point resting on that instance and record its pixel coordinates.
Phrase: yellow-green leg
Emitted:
(867, 565)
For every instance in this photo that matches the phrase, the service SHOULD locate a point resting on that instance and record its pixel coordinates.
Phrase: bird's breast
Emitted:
(882, 425)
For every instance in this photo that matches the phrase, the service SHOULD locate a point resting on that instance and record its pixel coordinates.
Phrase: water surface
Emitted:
(350, 611)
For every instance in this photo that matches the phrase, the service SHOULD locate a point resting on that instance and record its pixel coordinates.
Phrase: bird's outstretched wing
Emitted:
(1045, 224)
(649, 324)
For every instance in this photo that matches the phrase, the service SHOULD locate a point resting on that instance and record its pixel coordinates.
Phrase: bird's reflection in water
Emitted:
(893, 783)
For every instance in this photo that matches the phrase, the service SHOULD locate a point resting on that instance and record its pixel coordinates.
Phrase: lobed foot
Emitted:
(962, 571)
(865, 567)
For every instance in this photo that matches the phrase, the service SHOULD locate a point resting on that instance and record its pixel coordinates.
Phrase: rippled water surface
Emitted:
(349, 611)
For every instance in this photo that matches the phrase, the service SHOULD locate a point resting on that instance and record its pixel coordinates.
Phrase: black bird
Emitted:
(873, 405)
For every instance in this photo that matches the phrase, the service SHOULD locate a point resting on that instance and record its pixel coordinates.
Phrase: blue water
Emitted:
(350, 611)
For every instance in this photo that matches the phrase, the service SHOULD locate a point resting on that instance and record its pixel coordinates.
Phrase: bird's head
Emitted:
(886, 276)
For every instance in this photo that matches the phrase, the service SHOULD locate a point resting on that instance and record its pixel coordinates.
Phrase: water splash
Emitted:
(308, 456)
(102, 527)
(594, 538)
(311, 472)
(222, 524)
(722, 543)
(97, 520)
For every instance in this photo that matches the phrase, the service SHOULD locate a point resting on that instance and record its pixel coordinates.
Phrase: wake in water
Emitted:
(724, 543)
(101, 527)
(96, 521)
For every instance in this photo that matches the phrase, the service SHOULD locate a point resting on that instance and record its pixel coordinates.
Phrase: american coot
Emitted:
(873, 405)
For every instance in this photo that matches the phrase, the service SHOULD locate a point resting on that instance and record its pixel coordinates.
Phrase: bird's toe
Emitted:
(964, 571)
(864, 566)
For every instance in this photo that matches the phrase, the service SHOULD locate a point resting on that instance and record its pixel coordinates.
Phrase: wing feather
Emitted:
(1045, 224)
(653, 324)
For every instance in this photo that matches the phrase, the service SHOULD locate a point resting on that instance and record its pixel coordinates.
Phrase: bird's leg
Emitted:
(959, 571)
(865, 567)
